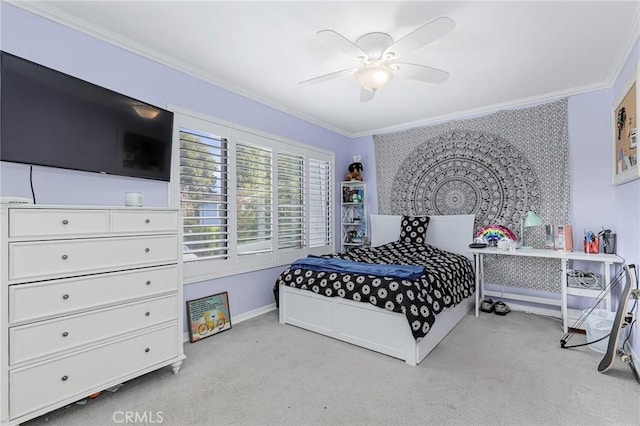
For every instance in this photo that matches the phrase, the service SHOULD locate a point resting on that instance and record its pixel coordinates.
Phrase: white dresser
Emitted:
(91, 297)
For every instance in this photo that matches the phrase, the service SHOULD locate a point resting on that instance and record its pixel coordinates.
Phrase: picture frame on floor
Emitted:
(207, 316)
(625, 124)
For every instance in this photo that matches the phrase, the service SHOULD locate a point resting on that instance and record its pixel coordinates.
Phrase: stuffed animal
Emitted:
(354, 169)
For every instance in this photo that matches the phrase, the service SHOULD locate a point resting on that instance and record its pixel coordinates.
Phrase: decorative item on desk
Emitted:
(591, 243)
(507, 245)
(608, 241)
(549, 237)
(530, 220)
(563, 237)
(491, 234)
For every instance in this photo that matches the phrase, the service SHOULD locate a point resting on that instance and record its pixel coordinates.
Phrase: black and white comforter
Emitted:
(448, 279)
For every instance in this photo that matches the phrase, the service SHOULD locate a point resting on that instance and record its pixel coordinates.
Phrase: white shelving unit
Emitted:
(353, 215)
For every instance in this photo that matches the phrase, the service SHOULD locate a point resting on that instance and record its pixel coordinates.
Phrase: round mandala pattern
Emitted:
(464, 172)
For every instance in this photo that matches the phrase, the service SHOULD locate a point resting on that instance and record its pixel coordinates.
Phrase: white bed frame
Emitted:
(375, 328)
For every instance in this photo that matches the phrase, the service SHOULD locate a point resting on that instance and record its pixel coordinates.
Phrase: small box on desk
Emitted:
(592, 246)
(559, 237)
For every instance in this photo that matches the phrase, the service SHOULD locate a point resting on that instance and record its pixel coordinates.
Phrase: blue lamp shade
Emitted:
(532, 219)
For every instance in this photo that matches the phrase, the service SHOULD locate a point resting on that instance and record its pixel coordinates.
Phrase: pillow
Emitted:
(385, 228)
(413, 229)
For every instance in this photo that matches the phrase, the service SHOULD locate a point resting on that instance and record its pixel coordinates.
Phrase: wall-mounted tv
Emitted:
(52, 119)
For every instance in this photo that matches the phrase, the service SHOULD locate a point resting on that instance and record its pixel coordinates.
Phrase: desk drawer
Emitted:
(57, 222)
(144, 221)
(48, 337)
(37, 301)
(59, 258)
(73, 376)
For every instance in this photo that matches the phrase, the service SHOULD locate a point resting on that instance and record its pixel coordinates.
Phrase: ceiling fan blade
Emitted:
(327, 77)
(422, 73)
(341, 43)
(366, 95)
(422, 36)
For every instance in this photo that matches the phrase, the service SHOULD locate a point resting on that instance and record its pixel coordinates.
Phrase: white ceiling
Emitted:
(500, 54)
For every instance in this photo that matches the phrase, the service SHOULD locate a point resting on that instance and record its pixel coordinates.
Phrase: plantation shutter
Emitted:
(203, 195)
(290, 201)
(254, 199)
(320, 203)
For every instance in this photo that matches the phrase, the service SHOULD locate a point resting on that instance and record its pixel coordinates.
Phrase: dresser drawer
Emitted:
(59, 258)
(73, 376)
(57, 222)
(144, 221)
(48, 337)
(36, 301)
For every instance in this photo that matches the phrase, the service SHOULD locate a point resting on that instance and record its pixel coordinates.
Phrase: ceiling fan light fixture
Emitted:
(374, 76)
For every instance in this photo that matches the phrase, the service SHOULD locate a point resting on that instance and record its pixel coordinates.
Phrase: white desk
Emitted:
(607, 261)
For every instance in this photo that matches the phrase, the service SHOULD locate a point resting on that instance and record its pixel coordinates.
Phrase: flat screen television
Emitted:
(48, 118)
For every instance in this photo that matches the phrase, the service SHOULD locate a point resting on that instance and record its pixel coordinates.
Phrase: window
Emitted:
(291, 232)
(203, 195)
(253, 199)
(320, 202)
(249, 200)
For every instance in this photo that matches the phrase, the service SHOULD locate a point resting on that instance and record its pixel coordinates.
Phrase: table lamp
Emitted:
(531, 219)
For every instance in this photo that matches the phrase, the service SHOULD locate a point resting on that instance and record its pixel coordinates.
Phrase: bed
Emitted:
(386, 329)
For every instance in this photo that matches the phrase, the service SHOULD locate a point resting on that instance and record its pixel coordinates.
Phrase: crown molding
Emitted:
(54, 14)
(632, 36)
(470, 113)
(48, 11)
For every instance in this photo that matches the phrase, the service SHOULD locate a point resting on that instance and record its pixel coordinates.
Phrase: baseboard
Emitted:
(634, 356)
(527, 307)
(252, 314)
(242, 317)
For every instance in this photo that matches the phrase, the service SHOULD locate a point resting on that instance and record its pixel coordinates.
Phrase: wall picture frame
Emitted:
(625, 129)
(207, 316)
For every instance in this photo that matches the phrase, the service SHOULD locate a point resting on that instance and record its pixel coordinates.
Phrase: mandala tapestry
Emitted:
(498, 167)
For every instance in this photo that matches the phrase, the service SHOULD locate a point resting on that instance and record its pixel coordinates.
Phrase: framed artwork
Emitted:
(208, 316)
(625, 131)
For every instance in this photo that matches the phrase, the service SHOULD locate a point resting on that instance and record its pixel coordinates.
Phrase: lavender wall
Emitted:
(594, 202)
(79, 55)
(626, 198)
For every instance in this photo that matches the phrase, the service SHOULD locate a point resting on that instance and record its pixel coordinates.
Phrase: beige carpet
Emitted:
(489, 370)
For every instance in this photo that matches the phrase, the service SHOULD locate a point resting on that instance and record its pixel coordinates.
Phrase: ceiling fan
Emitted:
(378, 54)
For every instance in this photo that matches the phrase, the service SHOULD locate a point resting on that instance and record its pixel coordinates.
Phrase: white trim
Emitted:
(56, 15)
(634, 356)
(512, 300)
(487, 109)
(242, 317)
(633, 35)
(239, 127)
(197, 271)
(253, 313)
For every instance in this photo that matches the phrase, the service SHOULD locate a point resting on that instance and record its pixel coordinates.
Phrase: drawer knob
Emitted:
(147, 221)
(65, 257)
(65, 296)
(65, 334)
(65, 222)
(147, 349)
(147, 314)
(148, 282)
(65, 378)
(146, 250)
